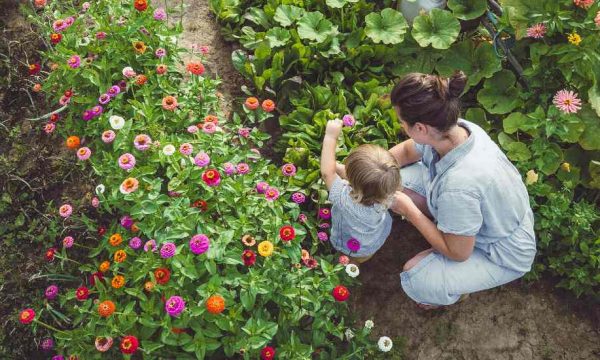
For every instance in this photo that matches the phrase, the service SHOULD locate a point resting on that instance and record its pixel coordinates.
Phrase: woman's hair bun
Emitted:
(456, 84)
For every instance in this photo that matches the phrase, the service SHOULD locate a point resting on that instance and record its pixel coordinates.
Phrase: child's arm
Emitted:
(328, 165)
(340, 169)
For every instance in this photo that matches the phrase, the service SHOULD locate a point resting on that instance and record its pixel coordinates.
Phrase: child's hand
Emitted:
(334, 128)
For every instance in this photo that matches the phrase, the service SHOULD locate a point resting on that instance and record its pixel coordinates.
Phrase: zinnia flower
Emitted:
(104, 99)
(202, 159)
(100, 35)
(116, 122)
(51, 292)
(265, 248)
(126, 221)
(169, 103)
(215, 304)
(160, 14)
(195, 68)
(242, 168)
(267, 353)
(199, 244)
(160, 52)
(59, 25)
(150, 245)
(324, 213)
(385, 344)
(135, 243)
(49, 128)
(352, 270)
(168, 150)
(139, 47)
(82, 293)
(251, 103)
(271, 194)
(130, 343)
(34, 69)
(161, 69)
(55, 38)
(84, 153)
(229, 168)
(65, 210)
(348, 120)
(248, 240)
(574, 38)
(114, 91)
(211, 177)
(39, 4)
(103, 343)
(175, 305)
(344, 260)
(118, 281)
(140, 5)
(126, 161)
(531, 177)
(142, 142)
(584, 4)
(47, 344)
(244, 132)
(340, 293)
(209, 128)
(322, 235)
(567, 101)
(128, 72)
(287, 233)
(186, 149)
(597, 19)
(369, 324)
(141, 79)
(68, 241)
(310, 263)
(167, 250)
(288, 169)
(353, 244)
(50, 254)
(120, 256)
(192, 129)
(536, 31)
(106, 308)
(249, 257)
(162, 275)
(108, 136)
(129, 185)
(261, 187)
(27, 316)
(268, 105)
(74, 61)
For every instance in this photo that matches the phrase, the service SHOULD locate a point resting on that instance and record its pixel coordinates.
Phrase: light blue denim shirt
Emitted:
(370, 225)
(474, 190)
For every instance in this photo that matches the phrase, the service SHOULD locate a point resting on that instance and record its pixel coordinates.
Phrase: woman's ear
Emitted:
(420, 128)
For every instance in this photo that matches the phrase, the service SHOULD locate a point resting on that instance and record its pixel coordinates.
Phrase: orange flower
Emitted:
(115, 239)
(141, 79)
(169, 103)
(73, 142)
(120, 256)
(268, 105)
(149, 286)
(305, 254)
(134, 228)
(140, 5)
(118, 281)
(139, 47)
(251, 103)
(106, 308)
(161, 69)
(212, 119)
(195, 68)
(215, 304)
(53, 66)
(37, 87)
(104, 266)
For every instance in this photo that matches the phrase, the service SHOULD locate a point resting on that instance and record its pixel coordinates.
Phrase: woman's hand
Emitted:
(403, 204)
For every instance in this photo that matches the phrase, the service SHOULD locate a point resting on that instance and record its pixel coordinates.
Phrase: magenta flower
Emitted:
(68, 242)
(348, 120)
(49, 128)
(244, 132)
(298, 197)
(322, 235)
(150, 245)
(104, 99)
(74, 61)
(69, 21)
(261, 187)
(113, 91)
(65, 210)
(242, 168)
(271, 194)
(87, 115)
(567, 101)
(536, 31)
(167, 250)
(175, 305)
(108, 136)
(135, 243)
(353, 245)
(288, 169)
(126, 161)
(229, 168)
(160, 14)
(47, 344)
(142, 142)
(160, 52)
(204, 49)
(199, 244)
(209, 128)
(302, 218)
(186, 149)
(324, 226)
(51, 292)
(59, 25)
(97, 110)
(201, 159)
(100, 35)
(324, 213)
(58, 357)
(126, 221)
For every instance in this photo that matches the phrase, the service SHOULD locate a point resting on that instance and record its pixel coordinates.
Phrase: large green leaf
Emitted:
(590, 138)
(479, 117)
(476, 62)
(337, 4)
(313, 26)
(439, 28)
(278, 37)
(594, 169)
(549, 158)
(388, 27)
(467, 9)
(499, 94)
(286, 15)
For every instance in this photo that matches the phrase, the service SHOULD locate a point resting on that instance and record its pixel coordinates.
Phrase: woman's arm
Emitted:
(328, 164)
(406, 152)
(455, 247)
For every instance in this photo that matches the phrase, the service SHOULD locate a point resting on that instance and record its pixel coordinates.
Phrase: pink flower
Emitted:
(298, 197)
(288, 169)
(103, 344)
(204, 49)
(567, 101)
(104, 99)
(68, 242)
(160, 14)
(59, 25)
(95, 202)
(536, 31)
(128, 72)
(322, 236)
(49, 128)
(261, 187)
(142, 142)
(65, 210)
(51, 292)
(160, 52)
(74, 61)
(584, 4)
(192, 129)
(100, 35)
(348, 120)
(202, 159)
(85, 6)
(108, 136)
(126, 161)
(244, 132)
(344, 260)
(597, 19)
(302, 218)
(168, 250)
(64, 100)
(271, 194)
(186, 149)
(242, 168)
(209, 128)
(84, 153)
(129, 185)
(150, 245)
(199, 244)
(229, 168)
(47, 344)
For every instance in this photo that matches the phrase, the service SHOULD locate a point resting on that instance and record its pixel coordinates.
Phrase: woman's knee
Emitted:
(416, 259)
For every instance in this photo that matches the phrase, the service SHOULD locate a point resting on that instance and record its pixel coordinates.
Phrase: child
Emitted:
(360, 218)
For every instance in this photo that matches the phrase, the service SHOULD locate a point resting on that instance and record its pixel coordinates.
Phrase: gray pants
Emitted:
(411, 10)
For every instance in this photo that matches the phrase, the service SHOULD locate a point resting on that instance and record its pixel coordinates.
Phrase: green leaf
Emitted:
(594, 169)
(286, 15)
(590, 138)
(278, 37)
(438, 28)
(338, 4)
(550, 159)
(476, 62)
(518, 151)
(248, 297)
(479, 117)
(513, 122)
(238, 58)
(467, 9)
(499, 94)
(388, 27)
(313, 26)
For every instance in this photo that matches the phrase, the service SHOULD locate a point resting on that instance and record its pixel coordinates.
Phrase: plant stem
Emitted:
(49, 327)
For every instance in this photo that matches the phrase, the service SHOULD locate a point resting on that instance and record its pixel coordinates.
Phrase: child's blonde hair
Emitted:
(373, 173)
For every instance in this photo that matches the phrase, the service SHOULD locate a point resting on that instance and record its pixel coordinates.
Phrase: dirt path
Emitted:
(518, 321)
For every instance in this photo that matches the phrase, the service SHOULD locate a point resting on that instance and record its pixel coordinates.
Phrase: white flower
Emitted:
(352, 270)
(169, 150)
(128, 72)
(116, 122)
(100, 189)
(385, 344)
(349, 334)
(369, 324)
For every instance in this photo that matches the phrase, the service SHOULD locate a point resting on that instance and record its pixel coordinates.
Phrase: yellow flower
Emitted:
(265, 248)
(139, 47)
(120, 256)
(574, 38)
(566, 167)
(532, 177)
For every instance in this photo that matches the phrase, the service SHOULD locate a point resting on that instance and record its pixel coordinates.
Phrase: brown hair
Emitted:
(429, 99)
(373, 173)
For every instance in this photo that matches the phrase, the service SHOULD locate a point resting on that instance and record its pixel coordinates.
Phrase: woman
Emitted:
(461, 193)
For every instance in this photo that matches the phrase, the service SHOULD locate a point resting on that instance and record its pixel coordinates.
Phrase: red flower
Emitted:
(27, 316)
(101, 230)
(129, 344)
(96, 276)
(211, 177)
(68, 93)
(162, 275)
(267, 353)
(140, 5)
(54, 118)
(82, 293)
(287, 233)
(249, 257)
(50, 254)
(34, 69)
(195, 68)
(55, 38)
(340, 293)
(200, 204)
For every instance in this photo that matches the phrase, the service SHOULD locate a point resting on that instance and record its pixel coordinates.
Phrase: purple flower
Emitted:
(87, 115)
(47, 344)
(202, 159)
(97, 110)
(298, 197)
(324, 213)
(167, 250)
(150, 245)
(58, 357)
(242, 168)
(135, 243)
(229, 168)
(70, 20)
(261, 187)
(51, 292)
(126, 222)
(324, 226)
(322, 236)
(160, 52)
(126, 162)
(348, 120)
(160, 14)
(122, 85)
(353, 245)
(104, 99)
(175, 305)
(199, 244)
(114, 91)
(74, 61)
